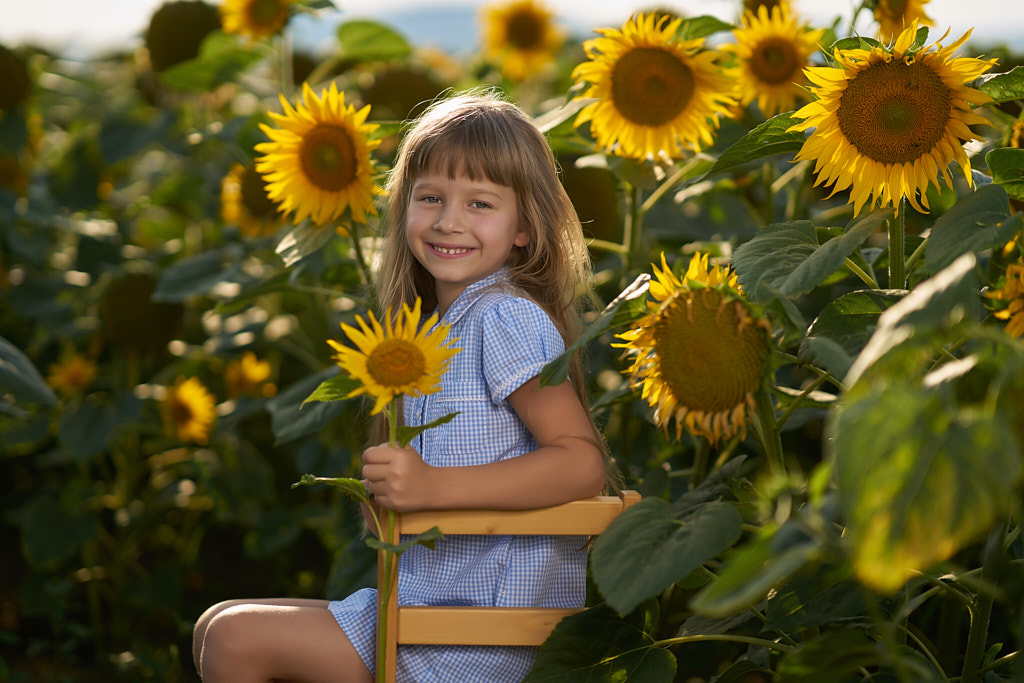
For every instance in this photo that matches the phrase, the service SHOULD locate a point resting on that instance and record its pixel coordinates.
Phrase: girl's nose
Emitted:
(449, 221)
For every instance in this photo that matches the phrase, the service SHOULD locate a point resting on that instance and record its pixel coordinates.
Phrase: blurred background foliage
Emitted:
(161, 323)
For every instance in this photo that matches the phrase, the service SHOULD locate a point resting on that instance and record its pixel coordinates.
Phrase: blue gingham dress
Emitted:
(505, 340)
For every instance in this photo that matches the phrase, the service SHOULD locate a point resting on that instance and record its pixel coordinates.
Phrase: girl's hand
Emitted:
(397, 477)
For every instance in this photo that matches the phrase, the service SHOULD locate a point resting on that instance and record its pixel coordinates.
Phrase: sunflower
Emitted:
(1012, 291)
(772, 49)
(888, 121)
(893, 16)
(244, 202)
(701, 351)
(401, 358)
(318, 162)
(521, 36)
(188, 411)
(177, 30)
(72, 374)
(248, 376)
(655, 94)
(255, 19)
(754, 5)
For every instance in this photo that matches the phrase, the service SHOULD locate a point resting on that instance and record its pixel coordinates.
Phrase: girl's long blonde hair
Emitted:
(482, 136)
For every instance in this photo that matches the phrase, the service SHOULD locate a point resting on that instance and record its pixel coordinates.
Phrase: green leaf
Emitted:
(614, 314)
(935, 306)
(1007, 167)
(195, 275)
(336, 388)
(646, 549)
(353, 488)
(854, 43)
(975, 223)
(767, 139)
(55, 524)
(552, 119)
(302, 240)
(407, 434)
(850, 320)
(19, 377)
(811, 601)
(427, 539)
(755, 568)
(275, 283)
(290, 421)
(918, 475)
(786, 259)
(87, 428)
(368, 41)
(1003, 87)
(596, 645)
(701, 27)
(837, 656)
(222, 59)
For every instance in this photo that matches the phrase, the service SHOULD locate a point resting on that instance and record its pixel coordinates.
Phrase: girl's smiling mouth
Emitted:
(450, 251)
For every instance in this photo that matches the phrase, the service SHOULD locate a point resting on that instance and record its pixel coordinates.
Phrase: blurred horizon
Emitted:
(80, 30)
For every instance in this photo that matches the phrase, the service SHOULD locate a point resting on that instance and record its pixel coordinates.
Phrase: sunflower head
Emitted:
(255, 19)
(72, 374)
(520, 35)
(176, 31)
(248, 376)
(889, 120)
(317, 164)
(1012, 294)
(655, 95)
(188, 411)
(700, 352)
(893, 16)
(244, 202)
(401, 357)
(400, 91)
(772, 49)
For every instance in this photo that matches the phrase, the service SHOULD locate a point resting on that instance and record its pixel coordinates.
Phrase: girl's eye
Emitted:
(431, 199)
(481, 205)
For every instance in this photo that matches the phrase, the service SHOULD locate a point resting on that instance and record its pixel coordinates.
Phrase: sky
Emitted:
(79, 27)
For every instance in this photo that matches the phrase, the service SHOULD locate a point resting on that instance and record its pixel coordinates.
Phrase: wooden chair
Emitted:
(488, 625)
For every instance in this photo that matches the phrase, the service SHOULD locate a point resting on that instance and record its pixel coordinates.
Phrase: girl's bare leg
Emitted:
(276, 639)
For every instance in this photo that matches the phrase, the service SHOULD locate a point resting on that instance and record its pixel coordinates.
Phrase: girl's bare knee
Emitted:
(226, 645)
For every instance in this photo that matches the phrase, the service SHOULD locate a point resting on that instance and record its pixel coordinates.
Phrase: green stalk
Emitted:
(632, 239)
(981, 611)
(364, 268)
(771, 440)
(390, 563)
(897, 266)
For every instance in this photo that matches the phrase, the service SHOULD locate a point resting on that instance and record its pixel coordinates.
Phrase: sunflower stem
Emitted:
(861, 273)
(390, 558)
(357, 248)
(768, 210)
(632, 238)
(771, 440)
(897, 264)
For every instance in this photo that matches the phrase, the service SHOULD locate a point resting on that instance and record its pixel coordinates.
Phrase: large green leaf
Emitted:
(55, 524)
(597, 645)
(290, 420)
(304, 239)
(843, 328)
(88, 427)
(647, 548)
(701, 27)
(427, 539)
(841, 656)
(933, 307)
(221, 60)
(767, 139)
(1007, 167)
(755, 568)
(366, 40)
(975, 223)
(918, 476)
(816, 599)
(1004, 87)
(196, 275)
(19, 377)
(786, 258)
(337, 388)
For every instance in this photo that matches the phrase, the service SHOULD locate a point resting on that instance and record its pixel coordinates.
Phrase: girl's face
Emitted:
(461, 230)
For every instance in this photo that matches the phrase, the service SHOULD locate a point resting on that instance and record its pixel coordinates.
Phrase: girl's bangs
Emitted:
(473, 156)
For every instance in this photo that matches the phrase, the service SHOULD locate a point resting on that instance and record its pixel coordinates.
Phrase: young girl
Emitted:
(479, 228)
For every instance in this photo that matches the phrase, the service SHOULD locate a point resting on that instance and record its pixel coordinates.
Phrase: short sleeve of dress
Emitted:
(518, 340)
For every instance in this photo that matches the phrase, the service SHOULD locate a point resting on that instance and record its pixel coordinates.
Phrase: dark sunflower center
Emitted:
(265, 12)
(895, 8)
(708, 361)
(254, 195)
(525, 30)
(328, 157)
(774, 61)
(395, 363)
(752, 5)
(181, 411)
(894, 112)
(650, 86)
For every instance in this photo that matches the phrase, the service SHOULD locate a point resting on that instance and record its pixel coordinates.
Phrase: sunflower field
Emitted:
(806, 348)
